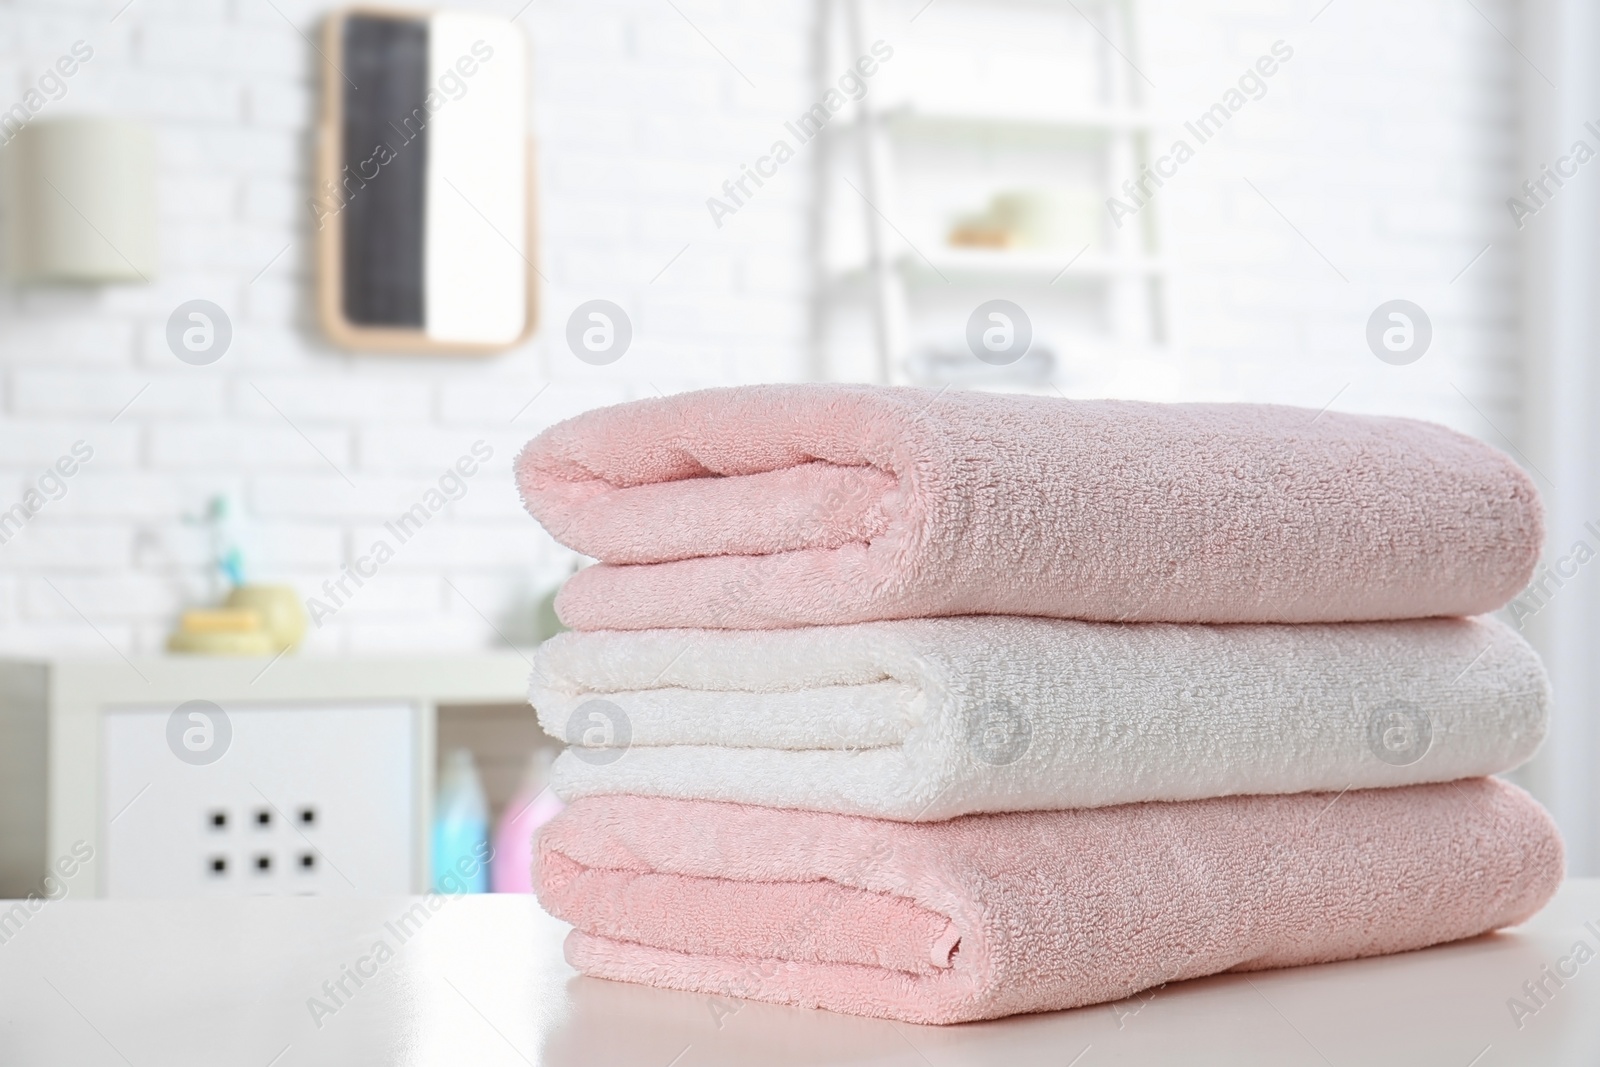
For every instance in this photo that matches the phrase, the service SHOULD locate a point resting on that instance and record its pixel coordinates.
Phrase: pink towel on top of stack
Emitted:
(785, 505)
(990, 915)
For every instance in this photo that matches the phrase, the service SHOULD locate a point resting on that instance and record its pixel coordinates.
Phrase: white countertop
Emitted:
(482, 983)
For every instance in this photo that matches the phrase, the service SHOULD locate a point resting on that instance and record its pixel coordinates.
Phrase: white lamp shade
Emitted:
(80, 201)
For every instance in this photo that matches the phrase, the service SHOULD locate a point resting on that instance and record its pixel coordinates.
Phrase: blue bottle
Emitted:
(460, 828)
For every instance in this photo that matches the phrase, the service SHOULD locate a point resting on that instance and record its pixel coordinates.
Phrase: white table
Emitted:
(482, 983)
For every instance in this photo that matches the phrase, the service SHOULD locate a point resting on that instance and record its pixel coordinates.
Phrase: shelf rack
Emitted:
(895, 276)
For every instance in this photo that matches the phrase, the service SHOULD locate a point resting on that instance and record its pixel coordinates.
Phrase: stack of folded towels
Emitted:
(940, 707)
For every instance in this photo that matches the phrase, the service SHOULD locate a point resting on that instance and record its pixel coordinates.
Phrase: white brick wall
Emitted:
(637, 121)
(1389, 140)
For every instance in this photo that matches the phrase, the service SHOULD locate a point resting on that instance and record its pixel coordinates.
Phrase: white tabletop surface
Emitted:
(482, 982)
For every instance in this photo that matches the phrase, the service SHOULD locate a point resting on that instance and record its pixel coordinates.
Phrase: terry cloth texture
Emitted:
(926, 719)
(990, 915)
(786, 505)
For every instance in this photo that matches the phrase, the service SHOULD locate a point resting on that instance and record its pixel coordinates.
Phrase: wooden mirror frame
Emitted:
(330, 237)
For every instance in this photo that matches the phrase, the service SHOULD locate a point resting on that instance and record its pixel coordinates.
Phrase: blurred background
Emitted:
(211, 318)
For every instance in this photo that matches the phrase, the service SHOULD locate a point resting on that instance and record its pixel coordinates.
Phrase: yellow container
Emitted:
(220, 621)
(282, 617)
(222, 643)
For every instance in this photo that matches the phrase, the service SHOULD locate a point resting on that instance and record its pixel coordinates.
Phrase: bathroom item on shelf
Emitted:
(461, 852)
(255, 619)
(226, 535)
(234, 619)
(278, 606)
(980, 231)
(991, 915)
(1056, 219)
(232, 631)
(788, 505)
(925, 719)
(1052, 219)
(533, 805)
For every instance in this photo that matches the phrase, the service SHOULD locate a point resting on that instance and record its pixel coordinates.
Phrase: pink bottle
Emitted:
(531, 807)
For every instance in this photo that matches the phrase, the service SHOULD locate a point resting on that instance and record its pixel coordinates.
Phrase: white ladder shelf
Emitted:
(900, 278)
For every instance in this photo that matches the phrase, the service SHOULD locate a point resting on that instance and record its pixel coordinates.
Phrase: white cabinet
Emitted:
(189, 776)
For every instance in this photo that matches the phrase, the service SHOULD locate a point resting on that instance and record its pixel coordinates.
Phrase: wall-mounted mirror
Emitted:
(423, 200)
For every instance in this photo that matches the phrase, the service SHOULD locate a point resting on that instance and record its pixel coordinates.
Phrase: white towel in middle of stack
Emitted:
(928, 719)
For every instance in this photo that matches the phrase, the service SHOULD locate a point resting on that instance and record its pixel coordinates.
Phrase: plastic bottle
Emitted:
(532, 806)
(228, 536)
(460, 828)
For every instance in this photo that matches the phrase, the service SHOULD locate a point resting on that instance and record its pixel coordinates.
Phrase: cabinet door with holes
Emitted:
(249, 799)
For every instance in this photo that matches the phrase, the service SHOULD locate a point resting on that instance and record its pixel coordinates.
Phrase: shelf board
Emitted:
(909, 117)
(1079, 357)
(1033, 265)
(1072, 344)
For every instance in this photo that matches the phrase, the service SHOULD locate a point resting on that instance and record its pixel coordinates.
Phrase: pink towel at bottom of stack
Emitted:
(990, 915)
